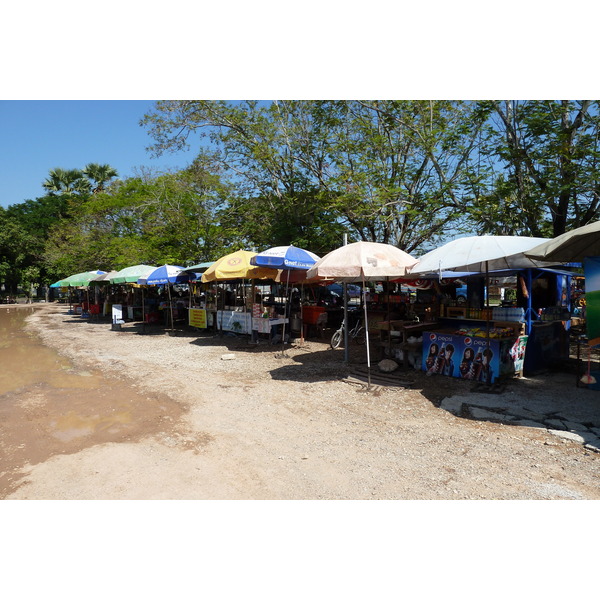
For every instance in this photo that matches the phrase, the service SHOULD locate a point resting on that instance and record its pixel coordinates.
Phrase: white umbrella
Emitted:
(481, 253)
(104, 277)
(572, 246)
(363, 261)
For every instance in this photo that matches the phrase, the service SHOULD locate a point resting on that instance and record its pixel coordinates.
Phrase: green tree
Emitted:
(168, 218)
(399, 168)
(271, 155)
(39, 215)
(543, 167)
(305, 170)
(16, 255)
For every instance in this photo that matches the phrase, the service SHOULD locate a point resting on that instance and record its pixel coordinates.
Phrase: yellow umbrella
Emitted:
(236, 266)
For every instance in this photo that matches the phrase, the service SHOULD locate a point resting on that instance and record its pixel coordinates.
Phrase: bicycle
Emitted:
(357, 333)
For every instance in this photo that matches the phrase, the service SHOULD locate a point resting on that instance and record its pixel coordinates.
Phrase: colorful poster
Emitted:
(461, 356)
(517, 353)
(591, 269)
(197, 317)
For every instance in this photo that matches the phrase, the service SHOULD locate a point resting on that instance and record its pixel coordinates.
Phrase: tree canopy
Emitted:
(408, 173)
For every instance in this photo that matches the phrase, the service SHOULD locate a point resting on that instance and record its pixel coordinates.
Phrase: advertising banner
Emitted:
(117, 313)
(197, 317)
(237, 322)
(461, 356)
(591, 269)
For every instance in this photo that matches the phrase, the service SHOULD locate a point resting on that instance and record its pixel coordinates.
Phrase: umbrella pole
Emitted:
(285, 312)
(220, 325)
(301, 314)
(347, 327)
(487, 316)
(252, 303)
(387, 289)
(367, 336)
(170, 306)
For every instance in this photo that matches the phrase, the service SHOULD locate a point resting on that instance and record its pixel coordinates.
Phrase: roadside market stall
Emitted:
(78, 280)
(100, 284)
(498, 337)
(198, 298)
(123, 302)
(361, 262)
(288, 259)
(581, 245)
(167, 276)
(229, 272)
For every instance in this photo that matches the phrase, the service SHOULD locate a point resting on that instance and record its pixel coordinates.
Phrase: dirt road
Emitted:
(183, 423)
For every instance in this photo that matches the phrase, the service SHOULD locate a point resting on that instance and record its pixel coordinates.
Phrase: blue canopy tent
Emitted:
(287, 258)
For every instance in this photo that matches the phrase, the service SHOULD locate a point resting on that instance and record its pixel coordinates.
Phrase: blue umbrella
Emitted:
(288, 258)
(285, 257)
(165, 275)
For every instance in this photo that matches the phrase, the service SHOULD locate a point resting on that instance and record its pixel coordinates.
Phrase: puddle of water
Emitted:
(49, 405)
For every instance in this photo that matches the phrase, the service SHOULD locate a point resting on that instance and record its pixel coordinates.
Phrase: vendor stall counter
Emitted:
(245, 323)
(470, 350)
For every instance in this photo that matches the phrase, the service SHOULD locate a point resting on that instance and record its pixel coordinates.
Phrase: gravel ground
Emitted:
(266, 426)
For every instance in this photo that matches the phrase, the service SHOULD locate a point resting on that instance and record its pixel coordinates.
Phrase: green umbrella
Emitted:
(199, 268)
(78, 280)
(132, 274)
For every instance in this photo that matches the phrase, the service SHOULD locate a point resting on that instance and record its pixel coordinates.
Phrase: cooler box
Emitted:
(310, 314)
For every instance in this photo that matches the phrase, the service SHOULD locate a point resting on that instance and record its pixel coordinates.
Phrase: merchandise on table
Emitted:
(495, 332)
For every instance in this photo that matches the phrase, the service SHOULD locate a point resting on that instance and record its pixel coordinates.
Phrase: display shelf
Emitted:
(463, 319)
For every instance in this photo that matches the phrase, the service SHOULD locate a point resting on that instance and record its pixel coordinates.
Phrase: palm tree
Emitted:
(64, 181)
(99, 175)
(53, 182)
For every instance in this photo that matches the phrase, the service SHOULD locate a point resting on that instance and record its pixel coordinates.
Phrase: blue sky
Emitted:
(39, 135)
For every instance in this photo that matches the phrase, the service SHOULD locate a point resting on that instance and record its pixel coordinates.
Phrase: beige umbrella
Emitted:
(363, 261)
(572, 246)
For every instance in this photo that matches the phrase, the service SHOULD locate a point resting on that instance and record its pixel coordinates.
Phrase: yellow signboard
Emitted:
(197, 317)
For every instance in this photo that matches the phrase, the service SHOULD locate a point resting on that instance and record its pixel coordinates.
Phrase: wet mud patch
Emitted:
(42, 421)
(50, 405)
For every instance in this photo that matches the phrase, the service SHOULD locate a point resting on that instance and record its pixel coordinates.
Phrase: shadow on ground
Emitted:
(551, 401)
